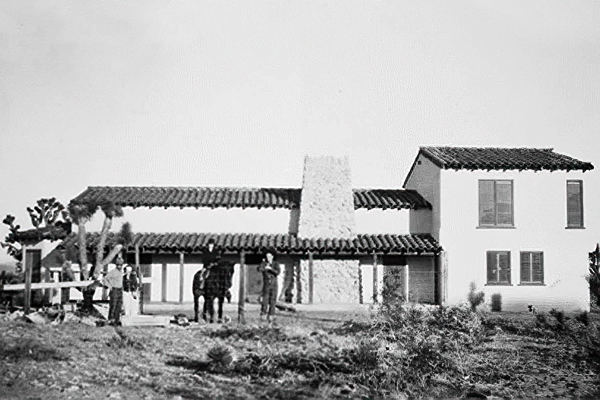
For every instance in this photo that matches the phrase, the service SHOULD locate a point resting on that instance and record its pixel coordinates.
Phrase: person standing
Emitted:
(270, 270)
(210, 257)
(130, 287)
(114, 282)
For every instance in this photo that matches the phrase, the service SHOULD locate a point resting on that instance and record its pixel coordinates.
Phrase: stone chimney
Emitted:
(327, 203)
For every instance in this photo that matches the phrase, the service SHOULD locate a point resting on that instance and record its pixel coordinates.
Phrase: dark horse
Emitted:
(216, 286)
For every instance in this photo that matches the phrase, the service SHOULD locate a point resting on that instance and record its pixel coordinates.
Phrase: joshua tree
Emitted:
(81, 213)
(45, 213)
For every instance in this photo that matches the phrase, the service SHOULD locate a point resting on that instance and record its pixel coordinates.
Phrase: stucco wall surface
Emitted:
(189, 220)
(425, 179)
(382, 221)
(539, 225)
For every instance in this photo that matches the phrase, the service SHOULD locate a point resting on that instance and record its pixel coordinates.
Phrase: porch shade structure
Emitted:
(235, 243)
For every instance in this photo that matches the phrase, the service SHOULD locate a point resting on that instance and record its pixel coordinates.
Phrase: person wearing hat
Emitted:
(270, 270)
(210, 257)
(114, 282)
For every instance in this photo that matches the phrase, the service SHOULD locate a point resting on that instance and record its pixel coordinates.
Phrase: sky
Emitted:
(236, 93)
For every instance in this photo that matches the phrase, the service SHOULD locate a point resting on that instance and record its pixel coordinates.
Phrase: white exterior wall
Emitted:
(197, 220)
(425, 179)
(540, 219)
(381, 221)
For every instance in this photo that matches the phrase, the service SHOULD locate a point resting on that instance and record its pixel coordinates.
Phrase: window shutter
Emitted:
(525, 267)
(537, 266)
(486, 203)
(574, 206)
(492, 276)
(504, 261)
(504, 202)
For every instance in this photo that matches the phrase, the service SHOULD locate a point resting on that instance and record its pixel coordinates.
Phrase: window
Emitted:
(496, 203)
(498, 267)
(532, 267)
(575, 204)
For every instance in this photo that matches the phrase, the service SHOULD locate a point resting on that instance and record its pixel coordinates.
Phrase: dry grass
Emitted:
(303, 358)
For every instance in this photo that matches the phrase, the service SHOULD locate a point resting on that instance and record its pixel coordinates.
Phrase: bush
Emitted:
(497, 302)
(560, 317)
(219, 357)
(475, 298)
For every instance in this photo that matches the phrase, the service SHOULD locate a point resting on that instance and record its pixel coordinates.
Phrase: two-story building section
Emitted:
(515, 221)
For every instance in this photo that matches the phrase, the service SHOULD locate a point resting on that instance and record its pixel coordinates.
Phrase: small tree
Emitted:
(81, 213)
(47, 212)
(593, 277)
(475, 298)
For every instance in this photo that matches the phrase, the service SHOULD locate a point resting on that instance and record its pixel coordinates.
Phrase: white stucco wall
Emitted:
(381, 221)
(425, 179)
(540, 220)
(218, 220)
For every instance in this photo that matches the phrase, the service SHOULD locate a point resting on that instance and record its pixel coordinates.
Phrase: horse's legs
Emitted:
(204, 308)
(220, 310)
(211, 308)
(195, 308)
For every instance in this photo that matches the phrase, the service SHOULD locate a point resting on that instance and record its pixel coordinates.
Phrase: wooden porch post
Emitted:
(242, 290)
(181, 275)
(28, 265)
(375, 279)
(140, 277)
(406, 283)
(310, 277)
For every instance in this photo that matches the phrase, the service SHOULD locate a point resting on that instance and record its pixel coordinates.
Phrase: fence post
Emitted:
(242, 290)
(310, 278)
(375, 279)
(28, 264)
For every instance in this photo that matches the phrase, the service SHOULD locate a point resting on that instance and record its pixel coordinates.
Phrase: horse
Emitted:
(216, 286)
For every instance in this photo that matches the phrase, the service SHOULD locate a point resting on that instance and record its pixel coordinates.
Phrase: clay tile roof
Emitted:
(388, 198)
(488, 158)
(283, 243)
(214, 197)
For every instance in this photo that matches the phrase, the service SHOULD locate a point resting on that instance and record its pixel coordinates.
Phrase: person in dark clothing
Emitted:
(210, 257)
(270, 270)
(130, 287)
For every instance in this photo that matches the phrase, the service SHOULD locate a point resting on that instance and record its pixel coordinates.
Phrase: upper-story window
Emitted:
(496, 203)
(575, 204)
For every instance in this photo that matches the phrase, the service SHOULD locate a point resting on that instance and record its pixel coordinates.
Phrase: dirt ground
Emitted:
(77, 361)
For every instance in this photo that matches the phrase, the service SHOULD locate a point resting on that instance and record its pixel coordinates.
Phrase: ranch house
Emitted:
(510, 220)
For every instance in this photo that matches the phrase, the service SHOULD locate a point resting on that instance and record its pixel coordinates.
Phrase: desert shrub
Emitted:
(122, 340)
(541, 320)
(249, 332)
(29, 349)
(560, 317)
(583, 318)
(497, 302)
(475, 298)
(220, 357)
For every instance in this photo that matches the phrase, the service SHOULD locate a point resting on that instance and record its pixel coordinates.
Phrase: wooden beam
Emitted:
(406, 283)
(45, 285)
(360, 285)
(27, 286)
(299, 282)
(375, 279)
(140, 275)
(181, 275)
(310, 278)
(164, 283)
(242, 290)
